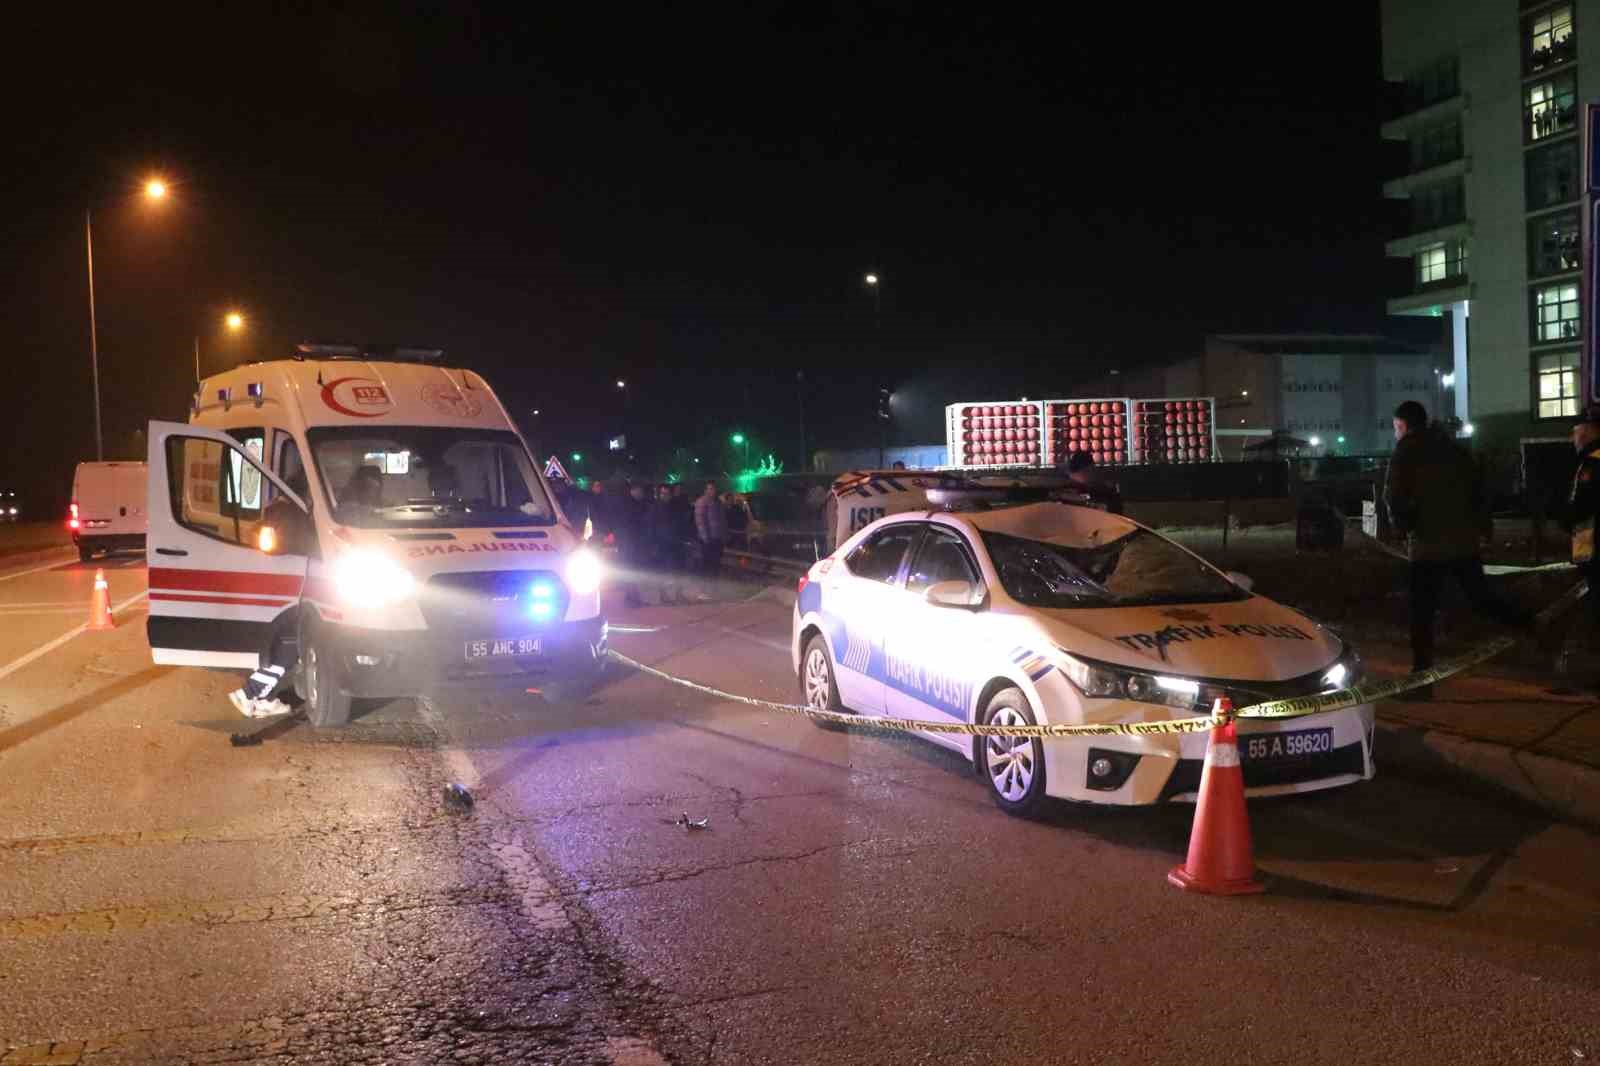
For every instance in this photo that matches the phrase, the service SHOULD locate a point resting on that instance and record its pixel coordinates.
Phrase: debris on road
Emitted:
(689, 823)
(244, 740)
(456, 797)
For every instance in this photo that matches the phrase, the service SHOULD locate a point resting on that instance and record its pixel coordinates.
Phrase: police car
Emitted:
(1051, 612)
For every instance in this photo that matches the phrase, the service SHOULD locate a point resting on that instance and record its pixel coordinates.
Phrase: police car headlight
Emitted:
(1099, 681)
(1346, 672)
(370, 579)
(584, 572)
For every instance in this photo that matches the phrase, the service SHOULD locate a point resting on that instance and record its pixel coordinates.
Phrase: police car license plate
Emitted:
(502, 648)
(1294, 744)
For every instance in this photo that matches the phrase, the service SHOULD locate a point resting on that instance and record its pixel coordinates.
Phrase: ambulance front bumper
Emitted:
(384, 664)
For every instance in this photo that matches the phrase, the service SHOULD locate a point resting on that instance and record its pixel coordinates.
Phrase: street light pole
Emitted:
(94, 338)
(154, 189)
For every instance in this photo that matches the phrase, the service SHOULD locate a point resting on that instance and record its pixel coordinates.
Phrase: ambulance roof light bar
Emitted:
(392, 353)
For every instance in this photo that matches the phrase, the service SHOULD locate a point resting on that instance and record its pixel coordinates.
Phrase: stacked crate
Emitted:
(1175, 430)
(1099, 427)
(995, 434)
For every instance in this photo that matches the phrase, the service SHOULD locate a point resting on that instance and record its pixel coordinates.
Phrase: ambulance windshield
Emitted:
(428, 477)
(1138, 569)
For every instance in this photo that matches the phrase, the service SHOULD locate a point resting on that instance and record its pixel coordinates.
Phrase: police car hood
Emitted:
(1248, 640)
(439, 551)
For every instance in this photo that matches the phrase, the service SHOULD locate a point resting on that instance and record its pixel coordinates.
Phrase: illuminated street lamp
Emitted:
(234, 321)
(744, 442)
(155, 189)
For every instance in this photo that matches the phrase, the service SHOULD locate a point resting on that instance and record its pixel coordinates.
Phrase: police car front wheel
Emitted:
(817, 685)
(1013, 767)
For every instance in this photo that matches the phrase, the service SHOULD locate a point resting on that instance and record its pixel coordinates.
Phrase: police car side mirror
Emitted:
(961, 594)
(1244, 581)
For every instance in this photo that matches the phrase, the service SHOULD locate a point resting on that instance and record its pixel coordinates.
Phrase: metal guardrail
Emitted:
(749, 562)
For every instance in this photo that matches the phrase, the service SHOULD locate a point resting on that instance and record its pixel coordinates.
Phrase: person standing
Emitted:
(633, 543)
(711, 528)
(665, 549)
(1436, 498)
(1579, 515)
(1084, 477)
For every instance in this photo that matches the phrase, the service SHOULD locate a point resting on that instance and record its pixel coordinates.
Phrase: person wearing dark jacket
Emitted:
(666, 551)
(1436, 498)
(1083, 477)
(1579, 515)
(633, 547)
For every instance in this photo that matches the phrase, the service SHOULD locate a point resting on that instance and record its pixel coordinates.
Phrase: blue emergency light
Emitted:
(543, 600)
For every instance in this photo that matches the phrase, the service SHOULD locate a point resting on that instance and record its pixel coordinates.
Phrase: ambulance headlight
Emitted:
(370, 579)
(584, 572)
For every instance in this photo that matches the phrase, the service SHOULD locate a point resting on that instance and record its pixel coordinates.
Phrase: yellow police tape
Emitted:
(1289, 708)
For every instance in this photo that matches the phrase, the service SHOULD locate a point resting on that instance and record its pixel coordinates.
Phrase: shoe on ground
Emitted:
(242, 703)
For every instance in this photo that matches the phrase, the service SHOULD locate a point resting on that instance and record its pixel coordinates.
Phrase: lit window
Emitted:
(1440, 261)
(1549, 107)
(1555, 313)
(1558, 384)
(1547, 39)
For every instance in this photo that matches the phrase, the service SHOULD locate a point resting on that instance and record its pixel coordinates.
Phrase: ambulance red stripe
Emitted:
(225, 581)
(242, 601)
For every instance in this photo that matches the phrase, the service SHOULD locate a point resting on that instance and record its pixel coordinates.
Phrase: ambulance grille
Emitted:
(489, 603)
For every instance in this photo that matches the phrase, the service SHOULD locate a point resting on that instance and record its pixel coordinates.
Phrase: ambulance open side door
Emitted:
(214, 593)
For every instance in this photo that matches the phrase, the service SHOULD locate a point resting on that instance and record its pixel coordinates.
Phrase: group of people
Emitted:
(662, 536)
(1436, 497)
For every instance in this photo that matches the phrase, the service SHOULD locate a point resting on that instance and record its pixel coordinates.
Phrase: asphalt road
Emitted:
(167, 897)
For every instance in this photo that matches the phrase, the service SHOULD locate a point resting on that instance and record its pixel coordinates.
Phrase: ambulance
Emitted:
(378, 514)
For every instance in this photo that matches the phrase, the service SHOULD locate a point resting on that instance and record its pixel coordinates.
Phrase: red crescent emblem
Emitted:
(333, 402)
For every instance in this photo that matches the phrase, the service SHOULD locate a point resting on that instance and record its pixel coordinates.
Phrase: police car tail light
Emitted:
(584, 572)
(800, 586)
(365, 578)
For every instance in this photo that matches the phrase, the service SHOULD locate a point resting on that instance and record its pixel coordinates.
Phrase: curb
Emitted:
(1562, 789)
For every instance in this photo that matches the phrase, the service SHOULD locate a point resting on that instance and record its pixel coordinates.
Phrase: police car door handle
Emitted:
(171, 551)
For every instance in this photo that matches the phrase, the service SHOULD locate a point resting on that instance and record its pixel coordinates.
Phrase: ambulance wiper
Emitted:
(429, 503)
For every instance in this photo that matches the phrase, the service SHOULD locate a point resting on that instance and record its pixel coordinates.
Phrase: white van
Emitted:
(379, 509)
(108, 507)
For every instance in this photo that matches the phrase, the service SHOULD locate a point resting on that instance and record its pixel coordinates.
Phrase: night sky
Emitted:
(688, 202)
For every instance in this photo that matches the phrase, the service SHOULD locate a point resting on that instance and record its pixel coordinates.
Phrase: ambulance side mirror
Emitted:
(1244, 581)
(960, 594)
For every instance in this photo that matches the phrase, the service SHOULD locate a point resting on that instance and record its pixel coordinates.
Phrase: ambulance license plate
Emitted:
(1294, 744)
(502, 648)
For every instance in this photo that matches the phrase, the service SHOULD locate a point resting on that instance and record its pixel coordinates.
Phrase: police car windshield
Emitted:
(1138, 569)
(421, 477)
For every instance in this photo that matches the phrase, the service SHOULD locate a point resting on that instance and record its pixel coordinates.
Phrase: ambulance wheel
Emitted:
(1013, 767)
(327, 701)
(818, 688)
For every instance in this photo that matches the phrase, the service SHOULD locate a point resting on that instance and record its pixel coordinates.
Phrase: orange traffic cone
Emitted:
(100, 604)
(1220, 860)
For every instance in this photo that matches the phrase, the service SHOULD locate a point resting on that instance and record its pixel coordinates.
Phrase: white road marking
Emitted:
(35, 570)
(537, 898)
(50, 646)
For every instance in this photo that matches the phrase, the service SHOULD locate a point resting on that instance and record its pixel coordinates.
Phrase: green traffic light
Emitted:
(577, 457)
(738, 438)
